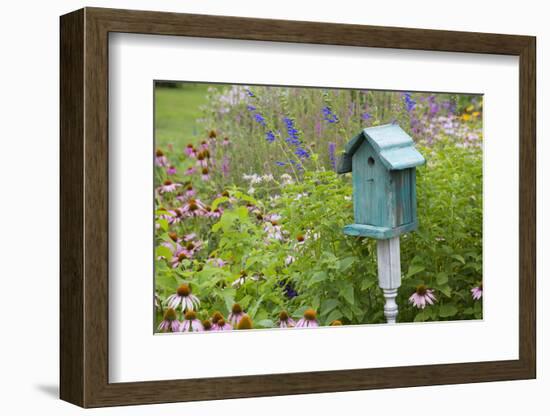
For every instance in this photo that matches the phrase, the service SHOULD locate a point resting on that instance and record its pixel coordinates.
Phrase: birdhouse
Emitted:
(383, 162)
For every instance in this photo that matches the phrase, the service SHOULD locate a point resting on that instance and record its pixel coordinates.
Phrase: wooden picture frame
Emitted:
(84, 207)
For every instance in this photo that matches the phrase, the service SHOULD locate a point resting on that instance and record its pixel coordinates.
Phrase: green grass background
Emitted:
(176, 112)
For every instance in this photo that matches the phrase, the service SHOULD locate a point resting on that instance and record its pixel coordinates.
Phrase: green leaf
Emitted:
(219, 201)
(162, 223)
(447, 310)
(228, 295)
(446, 290)
(328, 305)
(319, 277)
(163, 251)
(335, 314)
(347, 293)
(459, 258)
(367, 284)
(442, 278)
(414, 269)
(346, 263)
(265, 323)
(422, 316)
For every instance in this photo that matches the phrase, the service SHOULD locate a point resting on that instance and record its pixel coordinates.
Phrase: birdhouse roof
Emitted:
(394, 146)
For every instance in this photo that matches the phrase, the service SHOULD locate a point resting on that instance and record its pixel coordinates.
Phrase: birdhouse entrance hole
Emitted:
(371, 161)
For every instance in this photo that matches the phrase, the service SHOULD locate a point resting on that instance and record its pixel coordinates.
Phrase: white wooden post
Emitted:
(389, 274)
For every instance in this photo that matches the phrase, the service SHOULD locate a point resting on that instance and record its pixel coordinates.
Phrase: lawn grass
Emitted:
(176, 112)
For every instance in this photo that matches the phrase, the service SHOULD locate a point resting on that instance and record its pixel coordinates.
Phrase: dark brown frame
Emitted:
(84, 208)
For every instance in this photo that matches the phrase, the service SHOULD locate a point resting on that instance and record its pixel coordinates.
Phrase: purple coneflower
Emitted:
(216, 261)
(207, 325)
(273, 230)
(190, 150)
(477, 292)
(168, 186)
(225, 141)
(175, 216)
(204, 144)
(160, 159)
(221, 325)
(205, 175)
(191, 323)
(236, 314)
(285, 321)
(190, 170)
(189, 248)
(189, 191)
(215, 213)
(336, 322)
(184, 297)
(169, 322)
(171, 170)
(309, 320)
(245, 323)
(193, 208)
(202, 159)
(422, 296)
(179, 257)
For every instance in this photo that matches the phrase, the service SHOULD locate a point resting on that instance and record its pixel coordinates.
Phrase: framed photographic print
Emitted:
(255, 207)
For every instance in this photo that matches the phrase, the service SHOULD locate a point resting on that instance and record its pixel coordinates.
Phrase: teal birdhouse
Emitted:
(383, 162)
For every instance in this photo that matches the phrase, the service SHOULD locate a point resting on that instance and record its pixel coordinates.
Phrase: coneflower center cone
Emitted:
(184, 290)
(310, 314)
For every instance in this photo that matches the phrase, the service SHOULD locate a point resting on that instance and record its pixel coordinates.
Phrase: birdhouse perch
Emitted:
(383, 163)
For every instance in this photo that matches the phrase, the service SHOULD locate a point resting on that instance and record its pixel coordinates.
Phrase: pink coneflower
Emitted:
(202, 159)
(189, 191)
(184, 297)
(191, 247)
(191, 323)
(235, 315)
(273, 230)
(300, 239)
(240, 280)
(225, 141)
(207, 324)
(168, 186)
(171, 170)
(215, 213)
(422, 296)
(212, 134)
(205, 174)
(190, 170)
(477, 292)
(194, 208)
(309, 320)
(204, 145)
(189, 237)
(169, 322)
(285, 321)
(221, 325)
(160, 159)
(245, 323)
(190, 150)
(174, 216)
(216, 261)
(178, 258)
